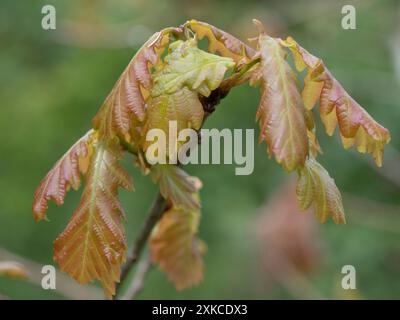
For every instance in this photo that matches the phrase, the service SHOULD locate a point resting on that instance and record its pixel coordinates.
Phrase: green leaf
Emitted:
(316, 186)
(182, 106)
(187, 65)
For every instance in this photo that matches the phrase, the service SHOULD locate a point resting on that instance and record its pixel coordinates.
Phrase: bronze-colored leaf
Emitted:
(65, 174)
(124, 108)
(93, 246)
(175, 247)
(280, 112)
(222, 42)
(357, 128)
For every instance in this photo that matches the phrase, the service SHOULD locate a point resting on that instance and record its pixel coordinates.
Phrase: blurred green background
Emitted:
(53, 82)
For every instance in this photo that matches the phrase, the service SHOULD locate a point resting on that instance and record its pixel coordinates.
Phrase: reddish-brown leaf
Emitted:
(93, 246)
(357, 128)
(175, 247)
(65, 174)
(124, 108)
(280, 112)
(222, 42)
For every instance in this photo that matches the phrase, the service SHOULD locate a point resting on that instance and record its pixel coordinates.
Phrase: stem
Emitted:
(128, 147)
(138, 281)
(156, 212)
(238, 77)
(67, 287)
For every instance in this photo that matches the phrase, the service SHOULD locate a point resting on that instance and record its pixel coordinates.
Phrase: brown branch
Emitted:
(138, 281)
(154, 215)
(65, 285)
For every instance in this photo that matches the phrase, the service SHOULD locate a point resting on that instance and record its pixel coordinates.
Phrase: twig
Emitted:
(155, 214)
(137, 283)
(64, 284)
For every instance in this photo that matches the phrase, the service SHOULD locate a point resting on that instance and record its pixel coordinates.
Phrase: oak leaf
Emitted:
(175, 247)
(186, 72)
(222, 42)
(280, 112)
(182, 106)
(357, 128)
(316, 186)
(125, 108)
(93, 245)
(187, 65)
(65, 174)
(177, 186)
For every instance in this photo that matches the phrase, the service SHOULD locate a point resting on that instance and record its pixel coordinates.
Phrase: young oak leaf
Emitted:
(177, 186)
(222, 42)
(314, 185)
(280, 112)
(124, 108)
(186, 72)
(175, 247)
(65, 174)
(357, 128)
(93, 245)
(227, 45)
(187, 65)
(182, 106)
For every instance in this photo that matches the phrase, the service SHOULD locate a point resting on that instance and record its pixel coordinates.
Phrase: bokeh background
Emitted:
(259, 245)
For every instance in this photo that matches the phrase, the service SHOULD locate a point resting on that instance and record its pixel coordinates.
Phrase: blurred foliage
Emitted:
(53, 82)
